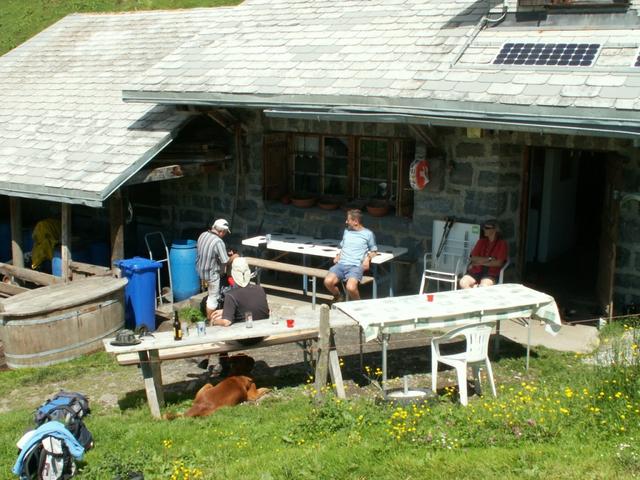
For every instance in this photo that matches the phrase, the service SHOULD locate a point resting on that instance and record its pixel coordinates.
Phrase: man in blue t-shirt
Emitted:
(357, 248)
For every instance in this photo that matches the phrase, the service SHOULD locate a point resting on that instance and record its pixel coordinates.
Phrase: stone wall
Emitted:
(472, 179)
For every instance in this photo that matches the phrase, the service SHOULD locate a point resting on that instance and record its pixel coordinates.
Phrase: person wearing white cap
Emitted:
(244, 298)
(212, 259)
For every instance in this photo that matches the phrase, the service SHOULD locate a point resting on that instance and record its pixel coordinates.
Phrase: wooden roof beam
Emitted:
(169, 172)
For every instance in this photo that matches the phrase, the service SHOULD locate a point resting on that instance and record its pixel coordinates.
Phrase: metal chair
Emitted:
(475, 356)
(443, 269)
(502, 269)
(156, 243)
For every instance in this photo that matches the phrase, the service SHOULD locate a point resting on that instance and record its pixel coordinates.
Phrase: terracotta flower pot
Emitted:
(378, 210)
(328, 203)
(303, 202)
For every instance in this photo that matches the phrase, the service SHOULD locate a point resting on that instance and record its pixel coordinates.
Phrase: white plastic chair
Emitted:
(475, 356)
(502, 269)
(445, 270)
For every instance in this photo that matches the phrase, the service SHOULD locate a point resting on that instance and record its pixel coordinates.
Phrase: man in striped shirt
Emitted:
(212, 259)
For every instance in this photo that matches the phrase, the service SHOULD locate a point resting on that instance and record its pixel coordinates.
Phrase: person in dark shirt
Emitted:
(245, 297)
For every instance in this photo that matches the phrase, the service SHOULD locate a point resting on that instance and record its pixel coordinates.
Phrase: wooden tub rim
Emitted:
(26, 304)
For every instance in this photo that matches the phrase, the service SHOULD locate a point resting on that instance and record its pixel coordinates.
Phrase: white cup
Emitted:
(248, 319)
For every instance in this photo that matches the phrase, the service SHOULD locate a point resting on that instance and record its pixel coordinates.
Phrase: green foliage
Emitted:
(22, 19)
(191, 314)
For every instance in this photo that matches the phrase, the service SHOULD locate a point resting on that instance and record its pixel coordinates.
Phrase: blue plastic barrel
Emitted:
(56, 262)
(140, 292)
(99, 254)
(185, 281)
(5, 242)
(27, 240)
(80, 255)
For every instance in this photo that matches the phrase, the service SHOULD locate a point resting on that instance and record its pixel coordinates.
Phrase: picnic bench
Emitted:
(190, 351)
(310, 272)
(153, 350)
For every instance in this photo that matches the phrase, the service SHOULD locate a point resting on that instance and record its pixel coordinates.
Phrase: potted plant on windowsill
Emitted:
(330, 202)
(194, 316)
(378, 207)
(303, 200)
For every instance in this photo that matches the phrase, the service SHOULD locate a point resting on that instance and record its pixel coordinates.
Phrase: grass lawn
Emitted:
(21, 19)
(565, 418)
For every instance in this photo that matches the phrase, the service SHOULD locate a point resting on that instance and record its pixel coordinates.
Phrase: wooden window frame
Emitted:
(399, 150)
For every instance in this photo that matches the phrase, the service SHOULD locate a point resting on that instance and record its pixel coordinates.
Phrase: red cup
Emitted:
(290, 322)
(430, 297)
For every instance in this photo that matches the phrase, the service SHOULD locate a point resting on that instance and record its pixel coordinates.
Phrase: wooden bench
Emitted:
(190, 351)
(311, 272)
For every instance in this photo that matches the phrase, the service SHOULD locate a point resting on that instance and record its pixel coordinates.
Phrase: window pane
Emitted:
(374, 181)
(336, 165)
(306, 164)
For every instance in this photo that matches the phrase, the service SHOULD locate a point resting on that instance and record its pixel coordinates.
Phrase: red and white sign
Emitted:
(419, 174)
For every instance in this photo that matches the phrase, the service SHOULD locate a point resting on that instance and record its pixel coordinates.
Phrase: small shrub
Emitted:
(190, 314)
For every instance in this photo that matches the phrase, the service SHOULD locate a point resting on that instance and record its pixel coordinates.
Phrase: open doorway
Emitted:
(565, 207)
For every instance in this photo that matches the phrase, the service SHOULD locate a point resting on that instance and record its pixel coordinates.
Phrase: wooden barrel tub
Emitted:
(62, 321)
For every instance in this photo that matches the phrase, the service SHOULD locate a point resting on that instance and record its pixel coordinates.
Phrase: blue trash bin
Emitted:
(140, 292)
(185, 281)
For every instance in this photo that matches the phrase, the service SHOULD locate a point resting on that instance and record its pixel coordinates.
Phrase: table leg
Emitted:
(313, 294)
(392, 277)
(385, 345)
(528, 340)
(304, 276)
(361, 335)
(152, 376)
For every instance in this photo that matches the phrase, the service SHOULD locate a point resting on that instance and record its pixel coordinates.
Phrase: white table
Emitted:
(328, 248)
(383, 317)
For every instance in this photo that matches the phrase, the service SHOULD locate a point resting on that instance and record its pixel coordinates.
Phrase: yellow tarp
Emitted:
(46, 235)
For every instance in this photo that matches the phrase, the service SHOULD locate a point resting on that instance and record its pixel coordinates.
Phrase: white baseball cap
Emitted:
(240, 272)
(221, 224)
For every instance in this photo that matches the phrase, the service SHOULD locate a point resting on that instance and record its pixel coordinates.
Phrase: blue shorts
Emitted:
(344, 272)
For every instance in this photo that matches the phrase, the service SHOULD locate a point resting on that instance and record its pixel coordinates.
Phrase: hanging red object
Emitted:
(419, 174)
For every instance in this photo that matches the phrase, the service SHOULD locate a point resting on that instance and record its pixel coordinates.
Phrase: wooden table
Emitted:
(329, 248)
(383, 317)
(151, 350)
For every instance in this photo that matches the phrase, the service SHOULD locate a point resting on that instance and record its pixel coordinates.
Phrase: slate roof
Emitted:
(419, 57)
(65, 133)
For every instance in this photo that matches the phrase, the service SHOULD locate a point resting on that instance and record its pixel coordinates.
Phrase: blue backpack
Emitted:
(68, 408)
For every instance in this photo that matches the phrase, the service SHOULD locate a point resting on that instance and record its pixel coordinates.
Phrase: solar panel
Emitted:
(548, 54)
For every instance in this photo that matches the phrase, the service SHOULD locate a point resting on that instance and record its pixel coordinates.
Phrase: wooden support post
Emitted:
(65, 240)
(16, 232)
(29, 275)
(150, 365)
(334, 368)
(323, 352)
(116, 220)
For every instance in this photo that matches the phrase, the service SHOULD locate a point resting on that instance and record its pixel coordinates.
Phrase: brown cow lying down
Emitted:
(238, 387)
